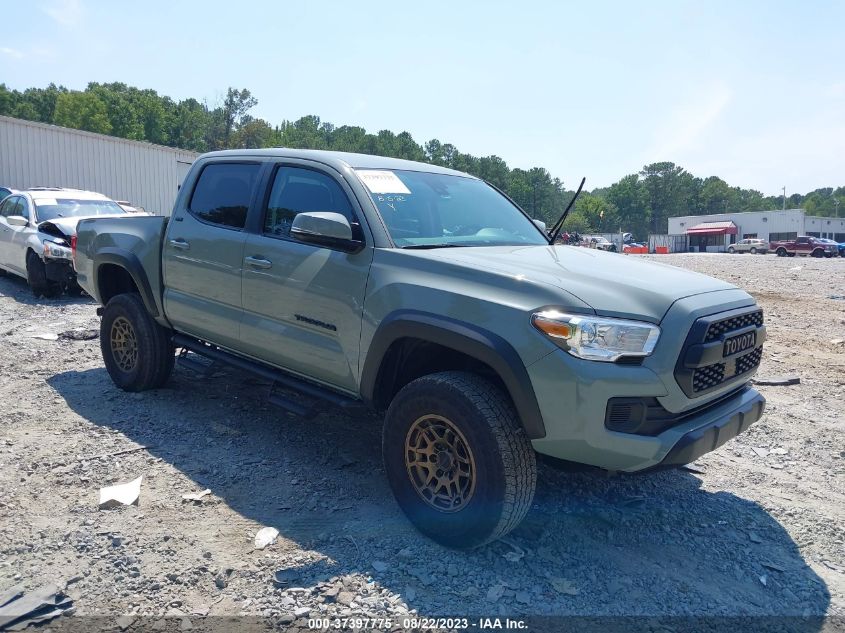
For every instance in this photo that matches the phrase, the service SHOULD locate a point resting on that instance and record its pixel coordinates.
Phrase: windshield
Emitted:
(52, 208)
(425, 210)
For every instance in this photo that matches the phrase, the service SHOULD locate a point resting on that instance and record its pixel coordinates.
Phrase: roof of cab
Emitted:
(338, 159)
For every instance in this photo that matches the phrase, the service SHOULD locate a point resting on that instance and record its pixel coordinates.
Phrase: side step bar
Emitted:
(277, 377)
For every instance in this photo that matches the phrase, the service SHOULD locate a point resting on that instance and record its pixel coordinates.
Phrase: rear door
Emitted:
(303, 303)
(203, 252)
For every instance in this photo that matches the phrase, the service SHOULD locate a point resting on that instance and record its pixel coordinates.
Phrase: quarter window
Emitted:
(296, 191)
(223, 193)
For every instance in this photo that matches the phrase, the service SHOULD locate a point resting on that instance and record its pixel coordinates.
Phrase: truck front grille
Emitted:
(704, 378)
(746, 363)
(734, 323)
(704, 364)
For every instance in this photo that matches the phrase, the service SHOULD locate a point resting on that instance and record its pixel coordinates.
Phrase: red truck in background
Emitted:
(803, 245)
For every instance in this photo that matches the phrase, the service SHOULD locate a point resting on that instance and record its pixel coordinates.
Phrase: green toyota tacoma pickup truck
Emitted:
(428, 294)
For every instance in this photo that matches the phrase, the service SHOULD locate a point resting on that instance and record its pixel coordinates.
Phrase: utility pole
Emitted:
(836, 206)
(784, 198)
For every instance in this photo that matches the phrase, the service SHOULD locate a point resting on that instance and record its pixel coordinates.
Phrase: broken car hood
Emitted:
(66, 227)
(612, 284)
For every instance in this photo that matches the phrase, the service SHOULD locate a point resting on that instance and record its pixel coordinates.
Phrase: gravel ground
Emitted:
(755, 528)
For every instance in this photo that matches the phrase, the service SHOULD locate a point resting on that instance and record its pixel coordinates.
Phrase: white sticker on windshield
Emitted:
(381, 181)
(46, 202)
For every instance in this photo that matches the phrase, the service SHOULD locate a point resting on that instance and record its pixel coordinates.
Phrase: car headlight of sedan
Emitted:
(597, 338)
(56, 251)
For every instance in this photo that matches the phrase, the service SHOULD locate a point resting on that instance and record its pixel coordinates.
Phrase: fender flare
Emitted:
(476, 342)
(129, 262)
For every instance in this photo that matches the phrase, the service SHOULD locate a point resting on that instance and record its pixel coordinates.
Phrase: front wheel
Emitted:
(753, 250)
(458, 460)
(137, 351)
(36, 277)
(731, 250)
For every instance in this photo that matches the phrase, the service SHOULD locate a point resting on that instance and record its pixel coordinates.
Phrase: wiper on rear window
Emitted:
(426, 246)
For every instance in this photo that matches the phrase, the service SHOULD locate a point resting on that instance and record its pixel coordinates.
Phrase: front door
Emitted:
(303, 303)
(13, 239)
(203, 253)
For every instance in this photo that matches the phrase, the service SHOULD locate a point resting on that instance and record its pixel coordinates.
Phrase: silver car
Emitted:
(36, 227)
(750, 245)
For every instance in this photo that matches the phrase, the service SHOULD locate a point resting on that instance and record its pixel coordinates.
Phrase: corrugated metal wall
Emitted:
(34, 154)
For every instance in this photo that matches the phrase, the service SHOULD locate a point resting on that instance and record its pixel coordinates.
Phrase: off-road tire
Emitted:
(505, 465)
(126, 318)
(36, 277)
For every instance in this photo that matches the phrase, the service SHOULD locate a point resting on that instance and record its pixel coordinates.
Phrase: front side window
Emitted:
(223, 193)
(426, 210)
(8, 207)
(54, 208)
(296, 190)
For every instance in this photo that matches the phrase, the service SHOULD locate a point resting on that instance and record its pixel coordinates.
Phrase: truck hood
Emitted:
(66, 227)
(613, 285)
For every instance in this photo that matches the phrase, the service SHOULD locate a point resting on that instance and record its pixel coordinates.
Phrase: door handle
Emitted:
(258, 262)
(180, 244)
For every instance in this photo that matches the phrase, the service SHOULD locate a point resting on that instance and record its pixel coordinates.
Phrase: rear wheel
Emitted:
(781, 252)
(137, 351)
(36, 277)
(457, 459)
(753, 250)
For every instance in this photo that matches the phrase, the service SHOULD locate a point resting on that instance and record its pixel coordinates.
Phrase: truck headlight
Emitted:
(595, 338)
(56, 251)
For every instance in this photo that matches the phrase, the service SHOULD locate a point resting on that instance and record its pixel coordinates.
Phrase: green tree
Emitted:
(83, 111)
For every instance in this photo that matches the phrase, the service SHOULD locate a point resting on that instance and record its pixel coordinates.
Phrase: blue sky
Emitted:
(750, 91)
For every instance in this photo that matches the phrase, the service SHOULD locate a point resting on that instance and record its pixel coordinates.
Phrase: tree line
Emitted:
(639, 203)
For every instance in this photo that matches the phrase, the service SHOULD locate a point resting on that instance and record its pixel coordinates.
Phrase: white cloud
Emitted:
(65, 12)
(11, 52)
(686, 125)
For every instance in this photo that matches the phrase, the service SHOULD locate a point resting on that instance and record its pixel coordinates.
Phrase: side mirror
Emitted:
(540, 225)
(17, 220)
(326, 228)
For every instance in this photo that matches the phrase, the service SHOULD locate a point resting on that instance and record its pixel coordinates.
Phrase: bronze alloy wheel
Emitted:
(440, 463)
(124, 344)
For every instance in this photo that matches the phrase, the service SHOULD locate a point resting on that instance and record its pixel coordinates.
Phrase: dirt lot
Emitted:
(758, 527)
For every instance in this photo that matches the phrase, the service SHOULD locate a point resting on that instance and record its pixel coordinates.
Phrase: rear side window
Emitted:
(223, 193)
(298, 190)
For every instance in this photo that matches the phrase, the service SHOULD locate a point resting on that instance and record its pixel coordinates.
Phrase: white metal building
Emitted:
(35, 154)
(707, 232)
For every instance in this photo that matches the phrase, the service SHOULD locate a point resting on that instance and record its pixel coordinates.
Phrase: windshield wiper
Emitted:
(427, 246)
(555, 230)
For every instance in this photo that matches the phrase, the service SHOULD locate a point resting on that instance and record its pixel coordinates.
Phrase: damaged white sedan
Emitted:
(37, 227)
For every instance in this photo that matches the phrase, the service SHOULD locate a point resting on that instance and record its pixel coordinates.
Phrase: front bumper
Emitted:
(712, 435)
(59, 270)
(574, 415)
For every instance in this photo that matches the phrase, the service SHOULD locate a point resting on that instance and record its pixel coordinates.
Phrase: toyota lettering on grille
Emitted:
(740, 343)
